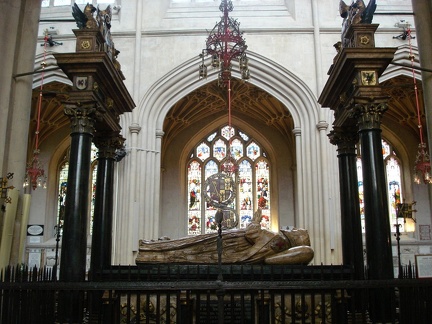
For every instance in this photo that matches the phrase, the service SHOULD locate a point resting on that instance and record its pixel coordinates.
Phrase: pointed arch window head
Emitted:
(252, 180)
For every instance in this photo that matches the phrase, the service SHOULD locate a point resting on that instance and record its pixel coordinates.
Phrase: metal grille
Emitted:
(193, 294)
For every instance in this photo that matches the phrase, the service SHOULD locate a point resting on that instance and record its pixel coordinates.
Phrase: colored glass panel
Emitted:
(236, 149)
(394, 190)
(194, 186)
(251, 181)
(263, 192)
(203, 151)
(245, 193)
(219, 149)
(227, 132)
(253, 151)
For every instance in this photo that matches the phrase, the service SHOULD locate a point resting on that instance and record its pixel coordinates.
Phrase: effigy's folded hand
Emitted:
(257, 216)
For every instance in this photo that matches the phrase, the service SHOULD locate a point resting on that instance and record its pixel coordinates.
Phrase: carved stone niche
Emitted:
(361, 35)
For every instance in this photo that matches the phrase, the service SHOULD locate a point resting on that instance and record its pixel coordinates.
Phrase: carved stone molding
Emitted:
(368, 115)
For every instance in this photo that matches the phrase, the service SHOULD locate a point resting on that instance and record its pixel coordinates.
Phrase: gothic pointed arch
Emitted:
(300, 146)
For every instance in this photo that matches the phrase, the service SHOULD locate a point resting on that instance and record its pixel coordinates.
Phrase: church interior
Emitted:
(196, 143)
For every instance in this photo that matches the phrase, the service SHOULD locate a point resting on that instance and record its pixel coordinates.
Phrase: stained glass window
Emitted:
(361, 193)
(93, 196)
(253, 151)
(252, 179)
(203, 151)
(262, 191)
(194, 195)
(394, 189)
(245, 193)
(62, 189)
(236, 149)
(227, 132)
(219, 149)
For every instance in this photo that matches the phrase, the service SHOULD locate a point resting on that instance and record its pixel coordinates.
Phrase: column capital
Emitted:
(159, 134)
(345, 139)
(134, 128)
(108, 143)
(322, 125)
(83, 116)
(368, 115)
(297, 131)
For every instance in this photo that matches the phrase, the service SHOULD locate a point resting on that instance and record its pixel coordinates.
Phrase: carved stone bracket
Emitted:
(368, 115)
(83, 116)
(108, 143)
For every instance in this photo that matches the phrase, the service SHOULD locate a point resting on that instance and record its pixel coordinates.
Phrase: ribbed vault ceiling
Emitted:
(211, 100)
(402, 103)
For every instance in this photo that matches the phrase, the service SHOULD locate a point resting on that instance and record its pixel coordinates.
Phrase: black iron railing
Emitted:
(193, 294)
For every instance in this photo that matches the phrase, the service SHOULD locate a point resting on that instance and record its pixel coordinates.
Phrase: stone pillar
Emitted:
(302, 221)
(131, 227)
(107, 144)
(18, 32)
(74, 241)
(378, 240)
(352, 242)
(324, 227)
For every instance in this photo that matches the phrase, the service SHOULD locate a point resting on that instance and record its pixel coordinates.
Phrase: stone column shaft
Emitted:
(352, 241)
(74, 241)
(378, 241)
(103, 209)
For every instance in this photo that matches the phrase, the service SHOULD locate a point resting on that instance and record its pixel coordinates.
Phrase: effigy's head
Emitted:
(297, 236)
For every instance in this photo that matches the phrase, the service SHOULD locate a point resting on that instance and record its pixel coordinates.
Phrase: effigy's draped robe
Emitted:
(250, 245)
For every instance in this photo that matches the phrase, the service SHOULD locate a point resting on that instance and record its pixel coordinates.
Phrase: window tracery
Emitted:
(252, 179)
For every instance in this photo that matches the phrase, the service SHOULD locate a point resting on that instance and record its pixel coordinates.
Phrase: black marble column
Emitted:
(352, 240)
(377, 223)
(107, 144)
(74, 240)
